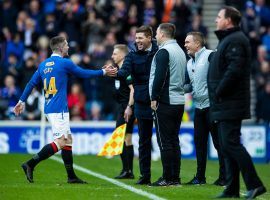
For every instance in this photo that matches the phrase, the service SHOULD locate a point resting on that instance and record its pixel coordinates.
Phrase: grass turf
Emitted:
(50, 180)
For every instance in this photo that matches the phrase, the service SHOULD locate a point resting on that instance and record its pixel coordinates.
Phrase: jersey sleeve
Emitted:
(82, 73)
(35, 80)
(129, 80)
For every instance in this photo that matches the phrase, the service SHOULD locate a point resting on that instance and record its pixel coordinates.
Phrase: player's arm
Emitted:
(125, 70)
(35, 80)
(87, 73)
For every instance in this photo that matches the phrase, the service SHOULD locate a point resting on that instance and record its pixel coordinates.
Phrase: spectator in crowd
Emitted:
(28, 69)
(76, 102)
(229, 95)
(266, 41)
(263, 100)
(196, 83)
(182, 14)
(251, 24)
(166, 91)
(11, 94)
(8, 14)
(149, 13)
(95, 109)
(50, 26)
(263, 11)
(12, 66)
(197, 25)
(261, 75)
(36, 14)
(138, 64)
(124, 97)
(73, 15)
(14, 46)
(33, 106)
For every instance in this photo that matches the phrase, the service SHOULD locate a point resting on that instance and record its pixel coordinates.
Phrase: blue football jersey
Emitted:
(53, 73)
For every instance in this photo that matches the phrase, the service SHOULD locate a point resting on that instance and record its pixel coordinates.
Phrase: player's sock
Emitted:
(47, 151)
(124, 158)
(130, 155)
(68, 161)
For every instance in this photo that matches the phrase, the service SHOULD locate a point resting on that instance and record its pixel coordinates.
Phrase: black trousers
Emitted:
(167, 122)
(121, 120)
(202, 127)
(145, 127)
(236, 157)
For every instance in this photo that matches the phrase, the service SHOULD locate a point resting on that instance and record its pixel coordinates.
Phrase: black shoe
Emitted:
(125, 175)
(176, 182)
(162, 182)
(252, 194)
(220, 182)
(143, 181)
(28, 172)
(196, 181)
(226, 195)
(76, 180)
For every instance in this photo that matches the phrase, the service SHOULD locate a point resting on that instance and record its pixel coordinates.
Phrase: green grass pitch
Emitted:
(50, 180)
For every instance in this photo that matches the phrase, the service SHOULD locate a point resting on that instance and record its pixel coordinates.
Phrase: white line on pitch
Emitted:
(115, 182)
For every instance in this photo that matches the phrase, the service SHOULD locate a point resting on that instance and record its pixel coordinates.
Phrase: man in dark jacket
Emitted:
(138, 64)
(229, 94)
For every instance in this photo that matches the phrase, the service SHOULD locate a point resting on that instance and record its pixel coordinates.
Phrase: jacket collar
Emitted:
(154, 48)
(223, 33)
(167, 42)
(197, 54)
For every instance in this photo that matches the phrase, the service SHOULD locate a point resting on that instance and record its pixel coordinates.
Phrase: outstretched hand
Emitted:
(110, 70)
(18, 109)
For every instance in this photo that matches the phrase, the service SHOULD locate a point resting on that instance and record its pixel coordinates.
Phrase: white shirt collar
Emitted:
(150, 48)
(56, 54)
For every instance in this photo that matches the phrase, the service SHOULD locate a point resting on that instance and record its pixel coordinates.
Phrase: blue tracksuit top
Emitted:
(53, 72)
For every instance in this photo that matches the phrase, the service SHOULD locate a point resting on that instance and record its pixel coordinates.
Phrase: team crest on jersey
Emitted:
(49, 64)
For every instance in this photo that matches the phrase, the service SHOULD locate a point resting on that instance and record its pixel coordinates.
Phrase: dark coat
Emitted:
(138, 65)
(229, 77)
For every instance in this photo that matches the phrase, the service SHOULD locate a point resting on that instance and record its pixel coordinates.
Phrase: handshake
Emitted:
(110, 70)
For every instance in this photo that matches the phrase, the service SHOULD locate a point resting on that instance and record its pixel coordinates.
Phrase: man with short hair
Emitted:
(166, 91)
(196, 83)
(124, 98)
(138, 64)
(229, 95)
(53, 73)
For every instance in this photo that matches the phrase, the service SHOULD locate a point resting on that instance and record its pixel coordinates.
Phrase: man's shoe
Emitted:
(176, 182)
(125, 175)
(28, 171)
(143, 181)
(252, 194)
(76, 180)
(226, 195)
(220, 182)
(162, 182)
(196, 181)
